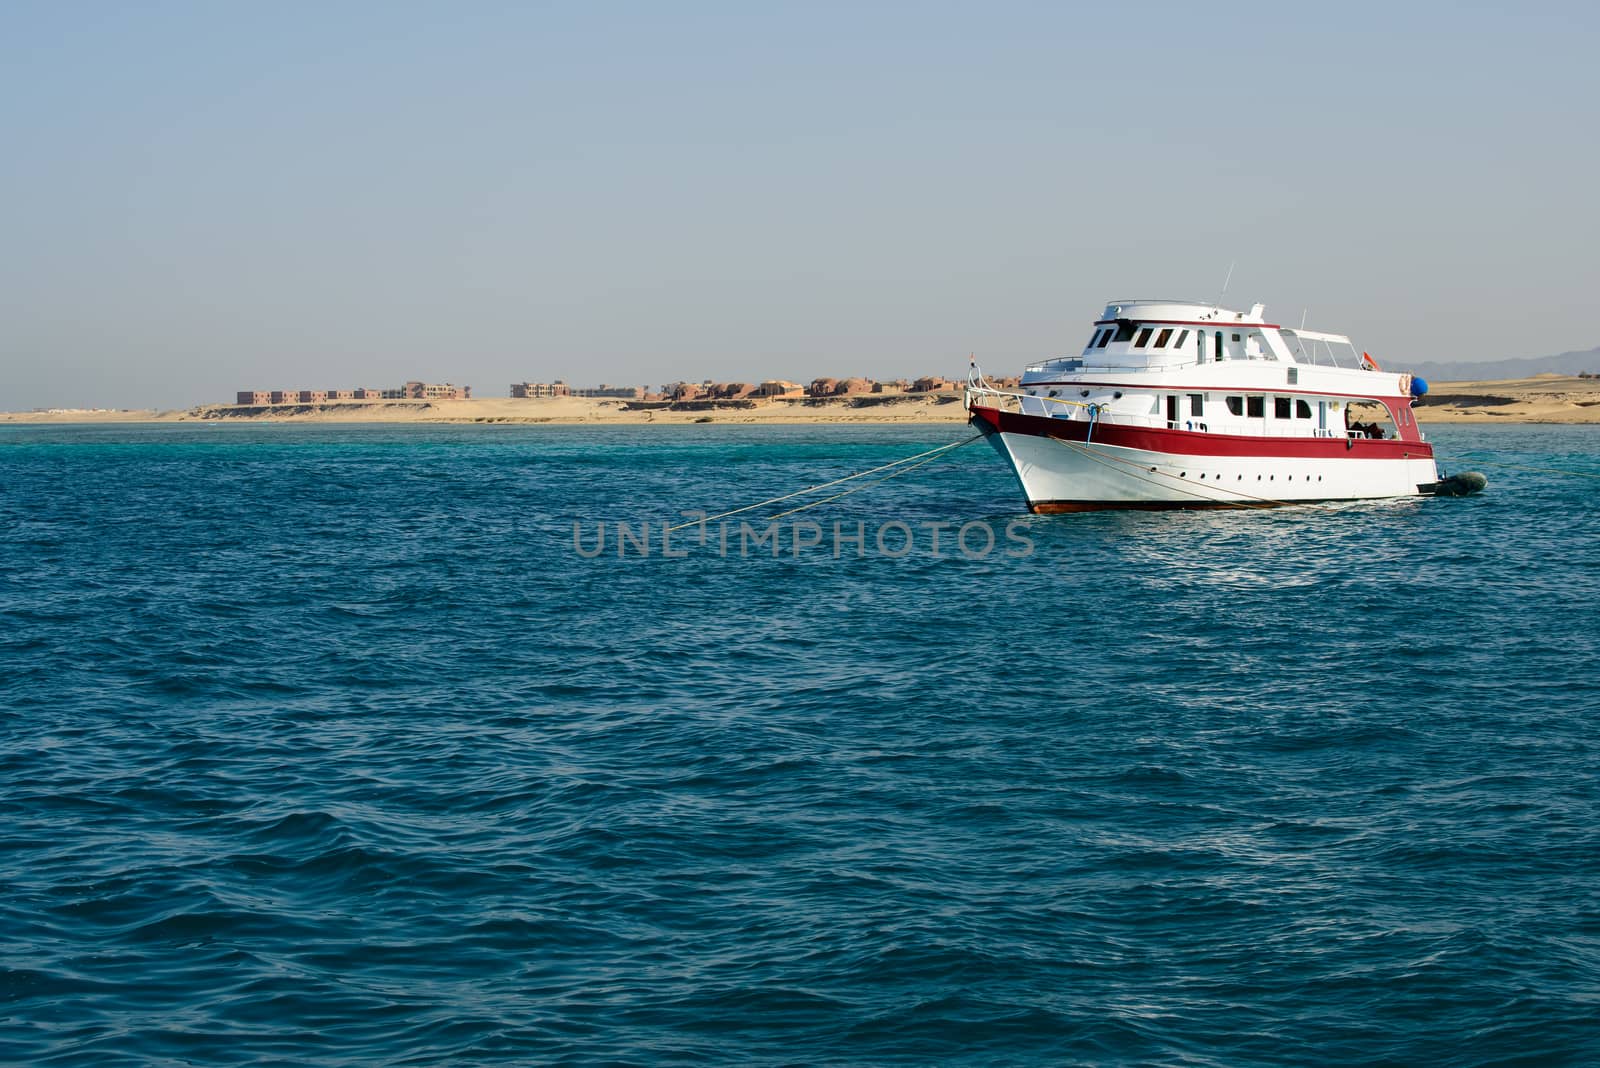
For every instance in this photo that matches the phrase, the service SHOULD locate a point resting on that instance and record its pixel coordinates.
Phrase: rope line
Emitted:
(874, 482)
(826, 485)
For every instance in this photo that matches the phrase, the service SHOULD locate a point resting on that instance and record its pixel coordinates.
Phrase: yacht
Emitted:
(1177, 404)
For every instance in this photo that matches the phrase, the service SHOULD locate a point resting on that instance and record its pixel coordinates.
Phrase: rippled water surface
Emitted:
(327, 746)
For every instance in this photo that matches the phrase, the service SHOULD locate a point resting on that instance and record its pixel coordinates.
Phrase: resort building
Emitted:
(532, 390)
(259, 398)
(777, 387)
(604, 390)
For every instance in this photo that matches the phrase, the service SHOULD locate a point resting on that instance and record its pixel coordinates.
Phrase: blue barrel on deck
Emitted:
(1419, 386)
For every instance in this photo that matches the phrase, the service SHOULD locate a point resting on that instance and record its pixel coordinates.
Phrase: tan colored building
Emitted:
(615, 392)
(411, 390)
(535, 390)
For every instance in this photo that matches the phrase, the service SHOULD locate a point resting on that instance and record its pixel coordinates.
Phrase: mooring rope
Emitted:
(868, 485)
(930, 455)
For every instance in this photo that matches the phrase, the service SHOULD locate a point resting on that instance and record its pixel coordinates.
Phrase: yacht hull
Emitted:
(1072, 465)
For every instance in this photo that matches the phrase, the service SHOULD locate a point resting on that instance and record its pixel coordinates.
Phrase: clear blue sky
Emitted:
(199, 198)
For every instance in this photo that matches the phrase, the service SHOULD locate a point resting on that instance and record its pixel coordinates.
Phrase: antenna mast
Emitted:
(1231, 265)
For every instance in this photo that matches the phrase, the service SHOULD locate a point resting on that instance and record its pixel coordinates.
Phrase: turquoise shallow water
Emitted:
(327, 746)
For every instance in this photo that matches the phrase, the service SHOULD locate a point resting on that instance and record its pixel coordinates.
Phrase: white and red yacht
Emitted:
(1174, 404)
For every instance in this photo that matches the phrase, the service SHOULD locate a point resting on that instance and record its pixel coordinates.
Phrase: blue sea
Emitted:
(358, 746)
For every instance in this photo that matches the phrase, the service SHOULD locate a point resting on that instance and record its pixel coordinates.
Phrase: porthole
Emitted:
(1117, 395)
(1083, 393)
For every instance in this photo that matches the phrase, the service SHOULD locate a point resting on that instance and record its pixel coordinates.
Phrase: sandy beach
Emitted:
(1543, 399)
(892, 408)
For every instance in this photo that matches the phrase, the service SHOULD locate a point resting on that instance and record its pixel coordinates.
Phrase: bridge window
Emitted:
(1255, 407)
(1144, 337)
(1236, 405)
(1124, 330)
(1105, 339)
(1178, 344)
(1302, 410)
(1161, 338)
(1280, 407)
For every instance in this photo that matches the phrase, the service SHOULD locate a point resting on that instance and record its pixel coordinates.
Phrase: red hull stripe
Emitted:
(1199, 443)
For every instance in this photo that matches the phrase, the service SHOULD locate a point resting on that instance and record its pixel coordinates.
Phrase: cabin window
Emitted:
(1294, 376)
(1236, 339)
(1197, 404)
(1236, 405)
(1124, 330)
(1256, 406)
(1302, 410)
(1172, 409)
(1219, 345)
(1105, 338)
(1178, 344)
(1163, 337)
(1144, 337)
(1280, 407)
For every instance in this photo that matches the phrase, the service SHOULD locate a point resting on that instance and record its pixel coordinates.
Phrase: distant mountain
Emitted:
(1567, 363)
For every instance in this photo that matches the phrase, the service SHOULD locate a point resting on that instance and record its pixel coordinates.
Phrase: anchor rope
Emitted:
(930, 455)
(868, 485)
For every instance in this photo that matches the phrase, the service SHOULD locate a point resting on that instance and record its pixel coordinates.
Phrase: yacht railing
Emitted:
(1156, 363)
(1026, 403)
(985, 395)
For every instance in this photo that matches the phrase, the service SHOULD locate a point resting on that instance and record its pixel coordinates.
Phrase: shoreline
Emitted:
(1549, 399)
